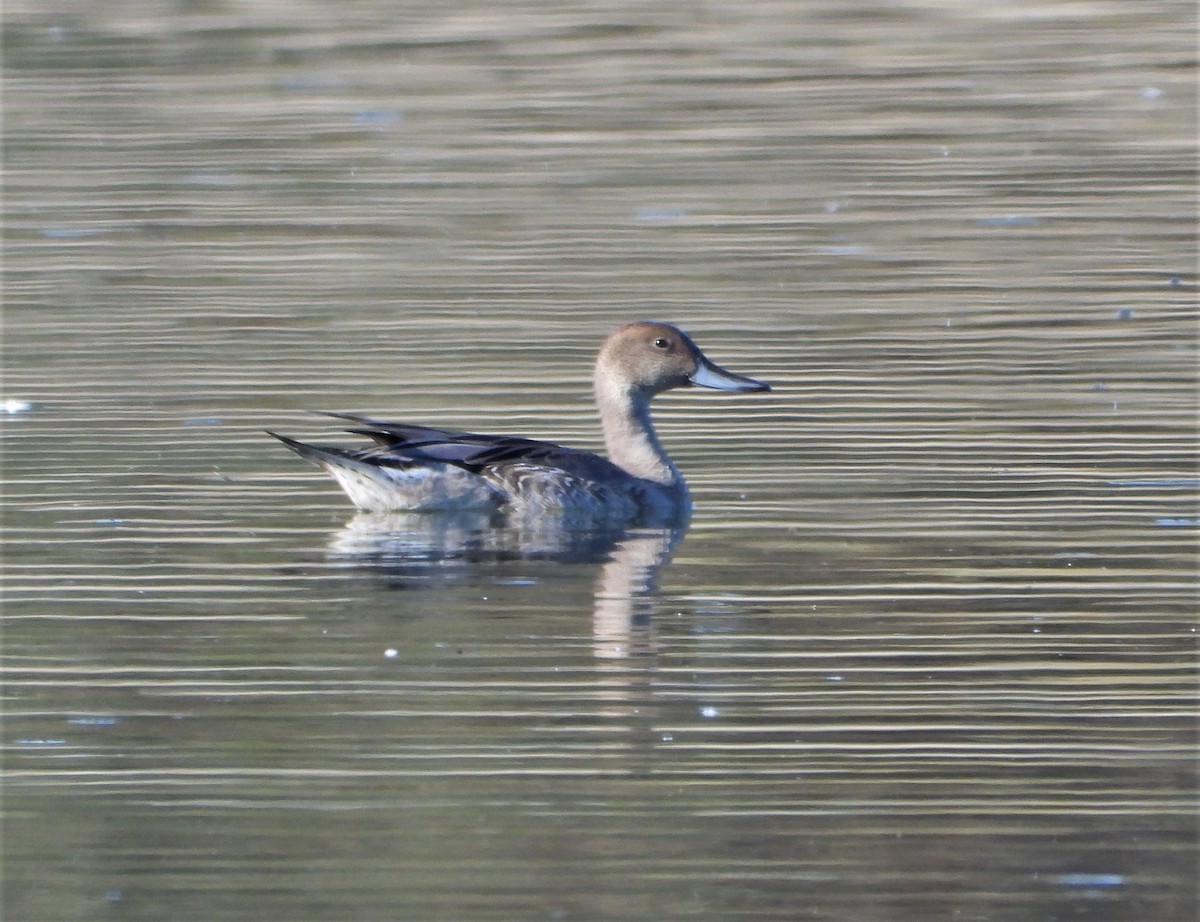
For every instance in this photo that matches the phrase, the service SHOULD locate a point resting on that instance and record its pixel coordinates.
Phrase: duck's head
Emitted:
(646, 358)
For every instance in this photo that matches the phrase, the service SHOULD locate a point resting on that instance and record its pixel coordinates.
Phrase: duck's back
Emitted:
(419, 468)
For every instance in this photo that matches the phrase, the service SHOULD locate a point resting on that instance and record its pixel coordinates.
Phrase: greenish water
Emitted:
(928, 648)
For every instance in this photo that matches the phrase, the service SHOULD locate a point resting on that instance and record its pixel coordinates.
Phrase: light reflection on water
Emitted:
(926, 650)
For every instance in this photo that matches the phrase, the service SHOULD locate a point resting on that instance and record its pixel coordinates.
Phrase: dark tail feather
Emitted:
(315, 453)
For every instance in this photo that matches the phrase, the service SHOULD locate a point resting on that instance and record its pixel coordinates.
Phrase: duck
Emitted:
(416, 468)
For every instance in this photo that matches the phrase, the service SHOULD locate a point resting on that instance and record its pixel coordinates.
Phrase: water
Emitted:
(927, 649)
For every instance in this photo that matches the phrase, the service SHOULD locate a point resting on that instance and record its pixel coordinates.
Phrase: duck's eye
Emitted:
(662, 343)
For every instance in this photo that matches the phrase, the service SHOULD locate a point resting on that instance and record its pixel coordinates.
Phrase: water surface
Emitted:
(927, 650)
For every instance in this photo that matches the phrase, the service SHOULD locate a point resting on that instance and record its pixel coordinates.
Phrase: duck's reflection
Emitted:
(621, 623)
(403, 545)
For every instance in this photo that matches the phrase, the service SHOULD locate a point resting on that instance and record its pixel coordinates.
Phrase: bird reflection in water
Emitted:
(403, 546)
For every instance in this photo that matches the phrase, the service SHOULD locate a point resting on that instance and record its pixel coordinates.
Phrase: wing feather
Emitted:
(406, 443)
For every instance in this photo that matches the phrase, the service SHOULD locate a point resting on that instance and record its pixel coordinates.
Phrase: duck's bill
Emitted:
(709, 375)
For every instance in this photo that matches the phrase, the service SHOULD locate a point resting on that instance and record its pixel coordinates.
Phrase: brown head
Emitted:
(646, 358)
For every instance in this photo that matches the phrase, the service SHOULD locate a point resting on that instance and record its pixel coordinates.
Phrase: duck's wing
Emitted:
(472, 451)
(396, 435)
(421, 468)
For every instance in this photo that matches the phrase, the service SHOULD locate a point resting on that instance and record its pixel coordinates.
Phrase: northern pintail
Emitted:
(416, 468)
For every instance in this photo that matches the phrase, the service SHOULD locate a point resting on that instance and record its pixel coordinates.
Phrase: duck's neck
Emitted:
(630, 438)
